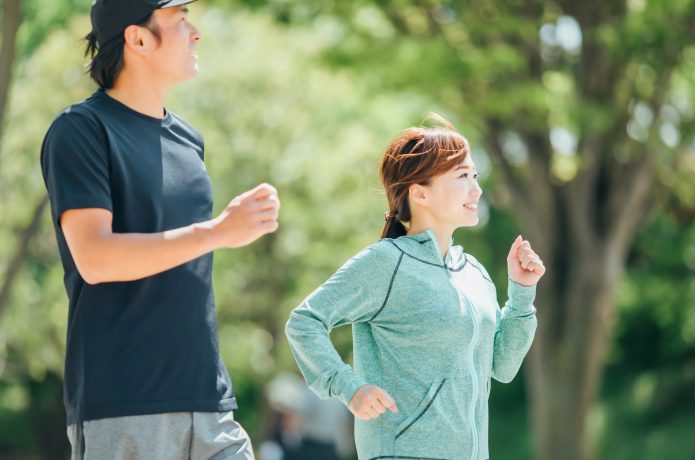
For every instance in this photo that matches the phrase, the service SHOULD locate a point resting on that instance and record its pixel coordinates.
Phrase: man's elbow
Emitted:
(87, 233)
(91, 272)
(92, 265)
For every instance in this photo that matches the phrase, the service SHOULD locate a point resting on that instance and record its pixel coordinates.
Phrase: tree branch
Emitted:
(521, 195)
(627, 200)
(392, 14)
(21, 254)
(11, 20)
(629, 203)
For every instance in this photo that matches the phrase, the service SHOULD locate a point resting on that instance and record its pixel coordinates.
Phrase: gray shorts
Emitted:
(174, 436)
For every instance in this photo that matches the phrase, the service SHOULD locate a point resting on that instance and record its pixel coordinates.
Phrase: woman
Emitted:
(428, 334)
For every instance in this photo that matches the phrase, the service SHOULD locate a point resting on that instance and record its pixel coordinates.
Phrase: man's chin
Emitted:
(190, 75)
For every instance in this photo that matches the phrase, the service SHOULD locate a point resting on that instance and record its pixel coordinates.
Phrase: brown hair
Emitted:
(416, 157)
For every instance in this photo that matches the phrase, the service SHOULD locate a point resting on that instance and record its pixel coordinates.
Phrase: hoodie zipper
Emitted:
(474, 339)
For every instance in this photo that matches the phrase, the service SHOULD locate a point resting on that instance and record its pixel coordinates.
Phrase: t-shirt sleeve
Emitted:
(75, 166)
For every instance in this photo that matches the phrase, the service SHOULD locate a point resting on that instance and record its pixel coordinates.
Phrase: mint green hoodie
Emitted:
(428, 331)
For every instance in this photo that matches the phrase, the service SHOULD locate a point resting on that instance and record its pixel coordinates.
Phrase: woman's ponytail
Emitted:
(394, 227)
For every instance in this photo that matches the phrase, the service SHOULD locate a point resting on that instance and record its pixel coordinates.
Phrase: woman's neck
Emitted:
(442, 233)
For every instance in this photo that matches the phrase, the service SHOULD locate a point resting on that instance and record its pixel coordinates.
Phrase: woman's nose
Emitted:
(476, 191)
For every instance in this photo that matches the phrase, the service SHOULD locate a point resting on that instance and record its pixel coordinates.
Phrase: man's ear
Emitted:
(138, 39)
(418, 194)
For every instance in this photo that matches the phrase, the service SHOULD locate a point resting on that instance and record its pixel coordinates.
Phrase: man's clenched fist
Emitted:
(248, 217)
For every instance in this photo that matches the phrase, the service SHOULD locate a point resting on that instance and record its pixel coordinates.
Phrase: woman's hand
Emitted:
(524, 265)
(370, 401)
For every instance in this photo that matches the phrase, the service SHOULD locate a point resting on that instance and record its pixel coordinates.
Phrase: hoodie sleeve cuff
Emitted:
(345, 385)
(521, 298)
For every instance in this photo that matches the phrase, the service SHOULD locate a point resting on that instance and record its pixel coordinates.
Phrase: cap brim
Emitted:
(176, 3)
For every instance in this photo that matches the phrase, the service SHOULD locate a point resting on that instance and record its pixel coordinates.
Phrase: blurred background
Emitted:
(581, 117)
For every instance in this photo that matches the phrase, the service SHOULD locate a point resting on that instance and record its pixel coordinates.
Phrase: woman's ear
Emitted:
(417, 194)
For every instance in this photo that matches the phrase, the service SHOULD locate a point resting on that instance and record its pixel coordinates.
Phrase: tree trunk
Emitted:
(576, 319)
(11, 20)
(564, 370)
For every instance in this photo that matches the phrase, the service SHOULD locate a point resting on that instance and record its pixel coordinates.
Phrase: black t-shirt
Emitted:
(147, 346)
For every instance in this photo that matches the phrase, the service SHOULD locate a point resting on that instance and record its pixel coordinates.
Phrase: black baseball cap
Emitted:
(111, 17)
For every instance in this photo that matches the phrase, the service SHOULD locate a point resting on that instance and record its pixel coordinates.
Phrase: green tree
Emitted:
(582, 106)
(520, 82)
(651, 366)
(25, 25)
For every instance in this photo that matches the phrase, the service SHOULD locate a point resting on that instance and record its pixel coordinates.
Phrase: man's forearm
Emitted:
(114, 257)
(102, 256)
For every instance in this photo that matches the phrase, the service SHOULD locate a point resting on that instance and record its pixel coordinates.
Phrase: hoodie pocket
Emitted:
(438, 427)
(421, 408)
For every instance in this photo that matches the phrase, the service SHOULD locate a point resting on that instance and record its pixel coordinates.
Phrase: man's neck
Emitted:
(140, 94)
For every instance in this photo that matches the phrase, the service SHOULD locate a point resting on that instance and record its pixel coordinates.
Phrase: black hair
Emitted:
(107, 58)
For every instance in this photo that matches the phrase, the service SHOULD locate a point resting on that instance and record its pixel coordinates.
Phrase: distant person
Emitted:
(303, 426)
(428, 334)
(131, 204)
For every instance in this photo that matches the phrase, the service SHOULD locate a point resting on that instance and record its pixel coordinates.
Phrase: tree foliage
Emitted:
(305, 95)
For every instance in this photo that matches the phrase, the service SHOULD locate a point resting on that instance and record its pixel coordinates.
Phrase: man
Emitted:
(131, 204)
